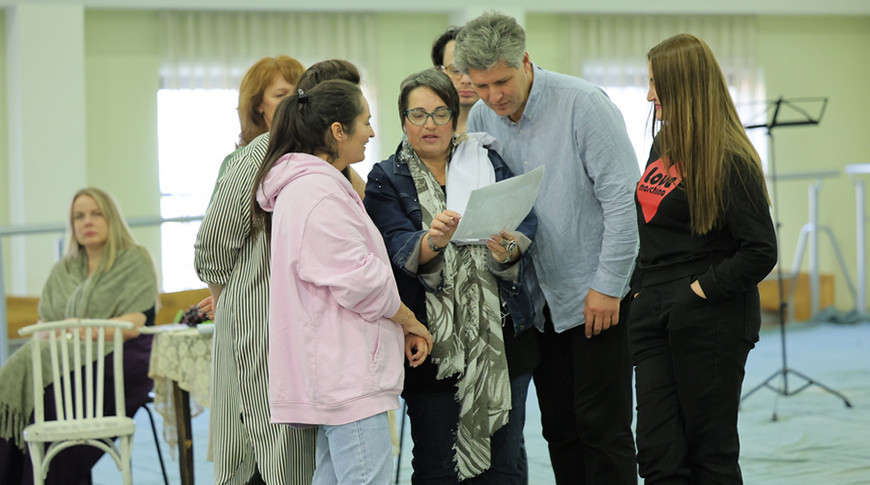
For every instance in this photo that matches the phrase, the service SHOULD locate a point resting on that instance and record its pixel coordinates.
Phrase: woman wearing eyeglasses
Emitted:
(467, 403)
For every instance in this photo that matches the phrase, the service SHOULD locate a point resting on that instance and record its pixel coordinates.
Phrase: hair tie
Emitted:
(303, 98)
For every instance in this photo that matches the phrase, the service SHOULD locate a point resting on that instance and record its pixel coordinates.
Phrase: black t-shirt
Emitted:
(732, 257)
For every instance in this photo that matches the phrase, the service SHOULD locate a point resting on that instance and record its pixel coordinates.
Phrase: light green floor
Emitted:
(815, 440)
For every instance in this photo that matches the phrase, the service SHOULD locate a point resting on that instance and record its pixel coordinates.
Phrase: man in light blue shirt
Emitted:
(585, 246)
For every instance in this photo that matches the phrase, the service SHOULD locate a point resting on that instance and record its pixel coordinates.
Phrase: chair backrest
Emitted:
(76, 396)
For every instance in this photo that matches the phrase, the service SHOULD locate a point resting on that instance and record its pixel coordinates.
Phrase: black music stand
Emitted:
(782, 113)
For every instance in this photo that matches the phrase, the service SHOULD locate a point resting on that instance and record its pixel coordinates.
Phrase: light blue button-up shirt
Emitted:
(587, 226)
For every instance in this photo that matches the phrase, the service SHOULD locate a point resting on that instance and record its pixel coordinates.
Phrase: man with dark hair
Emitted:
(442, 58)
(585, 245)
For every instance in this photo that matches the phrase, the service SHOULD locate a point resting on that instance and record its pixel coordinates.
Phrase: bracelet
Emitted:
(507, 259)
(432, 247)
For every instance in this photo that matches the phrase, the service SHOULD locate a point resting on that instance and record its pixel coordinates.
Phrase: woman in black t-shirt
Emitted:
(706, 240)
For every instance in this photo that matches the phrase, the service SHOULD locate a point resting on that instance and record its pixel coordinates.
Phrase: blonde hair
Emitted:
(701, 132)
(118, 238)
(254, 85)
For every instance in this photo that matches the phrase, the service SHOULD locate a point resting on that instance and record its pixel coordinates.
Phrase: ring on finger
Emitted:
(511, 246)
(504, 243)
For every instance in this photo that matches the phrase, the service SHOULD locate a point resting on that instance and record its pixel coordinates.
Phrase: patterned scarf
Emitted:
(465, 321)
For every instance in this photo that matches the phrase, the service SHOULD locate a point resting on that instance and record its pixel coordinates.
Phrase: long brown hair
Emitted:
(700, 133)
(254, 85)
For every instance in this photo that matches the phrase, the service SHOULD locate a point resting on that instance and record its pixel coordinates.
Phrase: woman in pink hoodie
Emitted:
(337, 328)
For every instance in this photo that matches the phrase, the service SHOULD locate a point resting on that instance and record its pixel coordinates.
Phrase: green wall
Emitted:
(404, 43)
(820, 56)
(4, 152)
(122, 61)
(545, 41)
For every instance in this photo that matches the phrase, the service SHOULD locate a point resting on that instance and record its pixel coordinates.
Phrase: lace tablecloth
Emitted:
(183, 357)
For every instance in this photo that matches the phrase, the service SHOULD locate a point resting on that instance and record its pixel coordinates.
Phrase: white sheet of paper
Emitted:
(497, 207)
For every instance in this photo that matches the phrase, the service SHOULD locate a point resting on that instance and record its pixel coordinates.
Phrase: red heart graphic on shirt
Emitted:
(655, 184)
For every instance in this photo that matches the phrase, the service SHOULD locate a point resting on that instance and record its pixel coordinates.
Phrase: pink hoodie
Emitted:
(334, 355)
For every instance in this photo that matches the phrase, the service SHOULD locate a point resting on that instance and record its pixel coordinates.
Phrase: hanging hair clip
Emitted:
(303, 98)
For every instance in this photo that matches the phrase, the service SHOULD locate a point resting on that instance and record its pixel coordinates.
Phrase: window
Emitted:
(609, 51)
(637, 113)
(196, 129)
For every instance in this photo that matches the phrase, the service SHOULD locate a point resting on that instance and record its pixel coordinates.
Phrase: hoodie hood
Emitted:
(290, 167)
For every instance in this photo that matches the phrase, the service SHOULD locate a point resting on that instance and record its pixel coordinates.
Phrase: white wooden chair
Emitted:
(78, 398)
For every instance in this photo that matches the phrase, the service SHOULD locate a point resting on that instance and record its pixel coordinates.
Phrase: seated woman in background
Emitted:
(104, 274)
(467, 407)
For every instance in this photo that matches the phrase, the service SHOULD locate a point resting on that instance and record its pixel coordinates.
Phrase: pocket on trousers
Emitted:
(688, 294)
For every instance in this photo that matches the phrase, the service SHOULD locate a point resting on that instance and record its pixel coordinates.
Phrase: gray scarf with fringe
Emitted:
(129, 286)
(465, 321)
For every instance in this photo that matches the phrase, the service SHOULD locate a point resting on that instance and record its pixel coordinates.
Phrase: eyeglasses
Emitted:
(418, 116)
(451, 71)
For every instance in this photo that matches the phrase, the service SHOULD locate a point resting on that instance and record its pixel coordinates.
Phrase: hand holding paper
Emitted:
(442, 228)
(501, 206)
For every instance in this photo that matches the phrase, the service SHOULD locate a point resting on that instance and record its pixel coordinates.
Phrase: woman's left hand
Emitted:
(503, 247)
(416, 349)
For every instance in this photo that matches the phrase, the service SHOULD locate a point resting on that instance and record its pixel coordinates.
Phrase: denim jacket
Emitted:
(391, 201)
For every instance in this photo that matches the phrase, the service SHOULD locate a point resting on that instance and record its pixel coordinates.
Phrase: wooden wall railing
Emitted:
(22, 310)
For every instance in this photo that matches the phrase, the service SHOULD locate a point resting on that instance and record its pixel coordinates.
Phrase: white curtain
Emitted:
(205, 55)
(610, 51)
(213, 50)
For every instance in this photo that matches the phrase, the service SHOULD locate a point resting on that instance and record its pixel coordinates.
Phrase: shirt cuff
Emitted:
(510, 271)
(429, 274)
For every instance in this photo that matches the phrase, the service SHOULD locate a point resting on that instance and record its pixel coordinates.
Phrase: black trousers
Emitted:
(689, 356)
(584, 391)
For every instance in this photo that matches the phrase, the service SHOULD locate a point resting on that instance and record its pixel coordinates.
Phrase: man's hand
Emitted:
(601, 312)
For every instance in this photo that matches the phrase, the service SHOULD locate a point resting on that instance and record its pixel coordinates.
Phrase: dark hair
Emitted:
(435, 80)
(441, 43)
(325, 71)
(302, 124)
(328, 70)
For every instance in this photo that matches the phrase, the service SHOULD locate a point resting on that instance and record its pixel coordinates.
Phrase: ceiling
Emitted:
(468, 8)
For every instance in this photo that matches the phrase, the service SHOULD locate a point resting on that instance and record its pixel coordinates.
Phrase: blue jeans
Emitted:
(356, 453)
(434, 418)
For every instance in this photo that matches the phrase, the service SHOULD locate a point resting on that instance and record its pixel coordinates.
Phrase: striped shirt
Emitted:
(227, 255)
